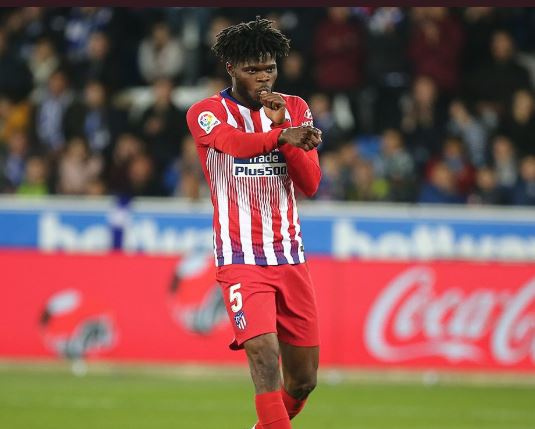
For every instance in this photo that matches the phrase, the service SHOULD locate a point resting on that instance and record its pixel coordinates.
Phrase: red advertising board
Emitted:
(444, 315)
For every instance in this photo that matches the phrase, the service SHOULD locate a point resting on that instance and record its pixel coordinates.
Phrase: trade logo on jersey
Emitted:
(271, 164)
(208, 121)
(308, 114)
(239, 319)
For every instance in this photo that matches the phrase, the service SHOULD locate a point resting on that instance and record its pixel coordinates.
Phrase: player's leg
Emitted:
(263, 355)
(297, 327)
(299, 368)
(249, 297)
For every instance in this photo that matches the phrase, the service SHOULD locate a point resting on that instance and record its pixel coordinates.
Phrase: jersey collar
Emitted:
(226, 94)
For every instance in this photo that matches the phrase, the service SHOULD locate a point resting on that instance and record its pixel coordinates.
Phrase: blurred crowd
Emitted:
(422, 104)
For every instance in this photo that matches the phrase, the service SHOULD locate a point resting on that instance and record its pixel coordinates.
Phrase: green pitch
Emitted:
(115, 399)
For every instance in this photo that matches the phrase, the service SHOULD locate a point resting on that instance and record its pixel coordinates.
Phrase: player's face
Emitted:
(249, 79)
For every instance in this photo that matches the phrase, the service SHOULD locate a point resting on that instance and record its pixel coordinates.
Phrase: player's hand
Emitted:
(274, 106)
(304, 137)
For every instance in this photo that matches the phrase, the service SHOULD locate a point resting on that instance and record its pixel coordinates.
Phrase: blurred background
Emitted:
(424, 104)
(421, 238)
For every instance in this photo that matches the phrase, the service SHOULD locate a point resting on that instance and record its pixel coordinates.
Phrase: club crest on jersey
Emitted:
(271, 164)
(239, 319)
(208, 121)
(308, 114)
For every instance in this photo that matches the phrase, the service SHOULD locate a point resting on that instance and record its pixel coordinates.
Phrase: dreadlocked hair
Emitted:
(251, 41)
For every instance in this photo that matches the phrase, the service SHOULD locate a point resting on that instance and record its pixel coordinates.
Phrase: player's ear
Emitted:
(230, 69)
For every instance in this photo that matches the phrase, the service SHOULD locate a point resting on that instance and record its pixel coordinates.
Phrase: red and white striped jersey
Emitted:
(252, 179)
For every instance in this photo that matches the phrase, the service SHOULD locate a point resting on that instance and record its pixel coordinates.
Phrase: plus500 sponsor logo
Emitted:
(410, 319)
(272, 164)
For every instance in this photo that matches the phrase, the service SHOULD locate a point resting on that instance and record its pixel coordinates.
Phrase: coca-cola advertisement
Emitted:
(442, 315)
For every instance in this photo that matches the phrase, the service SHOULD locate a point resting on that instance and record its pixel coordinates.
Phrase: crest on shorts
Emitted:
(208, 121)
(239, 319)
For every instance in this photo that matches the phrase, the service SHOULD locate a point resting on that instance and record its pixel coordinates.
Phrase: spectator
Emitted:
(94, 119)
(348, 158)
(15, 77)
(81, 23)
(364, 185)
(486, 190)
(492, 84)
(13, 161)
(77, 168)
(293, 77)
(441, 187)
(423, 121)
(210, 66)
(387, 65)
(128, 147)
(98, 64)
(453, 155)
(184, 178)
(142, 179)
(50, 112)
(435, 46)
(464, 125)
(331, 186)
(479, 24)
(35, 178)
(96, 187)
(339, 57)
(163, 125)
(396, 166)
(14, 117)
(519, 124)
(42, 62)
(524, 192)
(25, 26)
(504, 163)
(160, 55)
(321, 109)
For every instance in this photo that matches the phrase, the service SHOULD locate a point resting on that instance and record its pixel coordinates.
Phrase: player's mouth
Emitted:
(259, 91)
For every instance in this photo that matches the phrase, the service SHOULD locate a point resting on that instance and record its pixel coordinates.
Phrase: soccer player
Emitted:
(255, 145)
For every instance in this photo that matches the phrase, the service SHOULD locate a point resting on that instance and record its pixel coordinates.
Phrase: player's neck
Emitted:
(242, 100)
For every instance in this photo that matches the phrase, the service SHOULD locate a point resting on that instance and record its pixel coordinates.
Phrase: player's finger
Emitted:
(315, 140)
(309, 144)
(317, 132)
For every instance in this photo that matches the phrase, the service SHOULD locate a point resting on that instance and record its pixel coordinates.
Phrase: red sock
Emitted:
(271, 411)
(293, 406)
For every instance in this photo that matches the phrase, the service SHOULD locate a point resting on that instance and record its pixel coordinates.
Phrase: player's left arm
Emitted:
(303, 166)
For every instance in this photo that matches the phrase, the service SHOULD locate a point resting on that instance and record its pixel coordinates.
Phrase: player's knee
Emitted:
(301, 388)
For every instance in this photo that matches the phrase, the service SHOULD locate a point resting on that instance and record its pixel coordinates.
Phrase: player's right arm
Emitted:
(207, 122)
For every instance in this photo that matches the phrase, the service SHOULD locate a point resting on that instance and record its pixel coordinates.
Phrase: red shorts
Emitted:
(264, 299)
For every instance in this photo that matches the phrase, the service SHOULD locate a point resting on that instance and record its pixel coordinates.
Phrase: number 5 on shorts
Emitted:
(235, 298)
